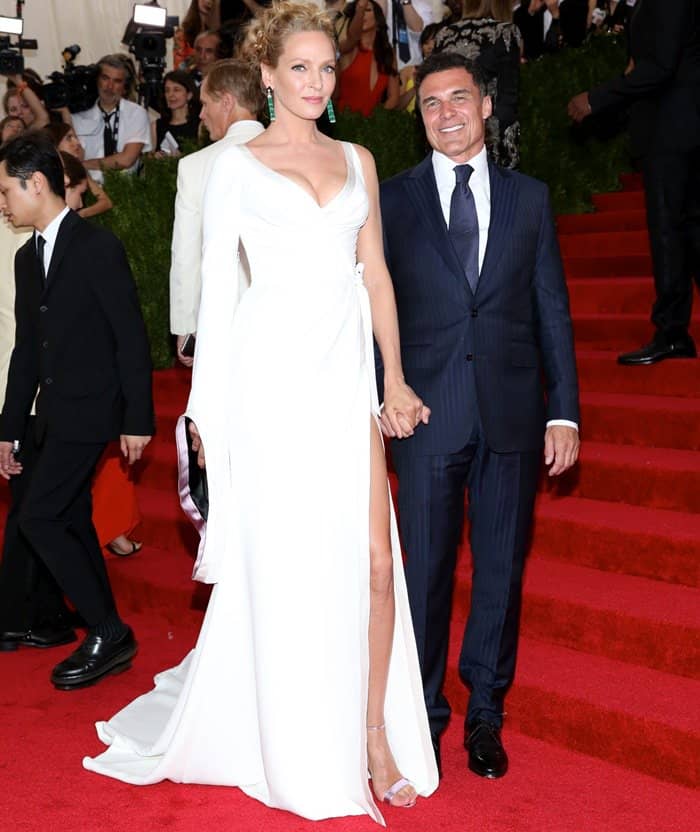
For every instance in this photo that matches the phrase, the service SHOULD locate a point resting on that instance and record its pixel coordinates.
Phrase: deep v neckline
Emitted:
(297, 186)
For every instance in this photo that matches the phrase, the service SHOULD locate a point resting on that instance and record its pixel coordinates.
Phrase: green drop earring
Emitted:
(270, 103)
(330, 111)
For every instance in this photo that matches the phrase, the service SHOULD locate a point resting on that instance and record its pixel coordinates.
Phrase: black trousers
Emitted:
(431, 514)
(55, 518)
(672, 188)
(29, 595)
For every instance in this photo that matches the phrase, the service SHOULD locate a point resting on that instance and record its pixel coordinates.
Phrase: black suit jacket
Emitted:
(513, 331)
(663, 89)
(81, 341)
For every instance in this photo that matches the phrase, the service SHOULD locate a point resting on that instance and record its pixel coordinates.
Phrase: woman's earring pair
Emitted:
(271, 107)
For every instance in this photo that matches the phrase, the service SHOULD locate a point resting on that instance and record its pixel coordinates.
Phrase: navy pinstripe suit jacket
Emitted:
(509, 344)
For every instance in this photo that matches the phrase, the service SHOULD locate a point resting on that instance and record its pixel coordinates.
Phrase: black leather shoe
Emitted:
(96, 657)
(660, 349)
(46, 636)
(487, 757)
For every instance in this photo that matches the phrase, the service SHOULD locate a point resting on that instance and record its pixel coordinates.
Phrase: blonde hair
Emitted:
(266, 34)
(238, 79)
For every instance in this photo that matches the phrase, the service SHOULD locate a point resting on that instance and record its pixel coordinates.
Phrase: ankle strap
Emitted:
(376, 727)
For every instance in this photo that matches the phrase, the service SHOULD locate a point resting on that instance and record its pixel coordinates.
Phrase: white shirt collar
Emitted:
(443, 168)
(50, 233)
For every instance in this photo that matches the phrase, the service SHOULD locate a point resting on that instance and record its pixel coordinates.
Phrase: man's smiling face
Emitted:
(454, 113)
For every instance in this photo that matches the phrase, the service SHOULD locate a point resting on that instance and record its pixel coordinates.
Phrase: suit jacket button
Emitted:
(470, 357)
(48, 380)
(475, 313)
(43, 308)
(45, 344)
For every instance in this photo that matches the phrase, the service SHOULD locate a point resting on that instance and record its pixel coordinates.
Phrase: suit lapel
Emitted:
(503, 202)
(68, 227)
(422, 189)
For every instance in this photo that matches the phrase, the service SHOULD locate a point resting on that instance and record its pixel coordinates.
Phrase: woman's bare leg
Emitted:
(381, 628)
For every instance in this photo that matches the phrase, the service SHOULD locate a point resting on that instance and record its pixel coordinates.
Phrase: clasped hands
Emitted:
(402, 411)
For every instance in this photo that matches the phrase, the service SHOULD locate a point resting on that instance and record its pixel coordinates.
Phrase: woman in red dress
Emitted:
(368, 76)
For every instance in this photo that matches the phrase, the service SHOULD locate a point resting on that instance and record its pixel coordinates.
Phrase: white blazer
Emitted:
(185, 267)
(11, 239)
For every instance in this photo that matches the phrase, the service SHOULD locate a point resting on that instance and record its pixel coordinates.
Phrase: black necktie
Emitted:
(464, 225)
(110, 145)
(401, 33)
(40, 244)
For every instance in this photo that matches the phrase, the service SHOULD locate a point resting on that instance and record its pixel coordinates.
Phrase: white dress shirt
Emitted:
(480, 185)
(49, 234)
(428, 14)
(134, 126)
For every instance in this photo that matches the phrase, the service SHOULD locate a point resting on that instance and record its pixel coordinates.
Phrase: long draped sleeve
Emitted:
(211, 396)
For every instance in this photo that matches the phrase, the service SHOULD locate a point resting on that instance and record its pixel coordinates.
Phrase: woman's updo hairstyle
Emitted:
(264, 42)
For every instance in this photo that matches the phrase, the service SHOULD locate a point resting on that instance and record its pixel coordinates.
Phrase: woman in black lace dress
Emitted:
(486, 34)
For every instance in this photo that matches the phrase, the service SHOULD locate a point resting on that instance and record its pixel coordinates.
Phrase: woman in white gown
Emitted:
(305, 674)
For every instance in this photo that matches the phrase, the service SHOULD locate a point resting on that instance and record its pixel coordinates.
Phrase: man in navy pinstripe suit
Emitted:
(486, 341)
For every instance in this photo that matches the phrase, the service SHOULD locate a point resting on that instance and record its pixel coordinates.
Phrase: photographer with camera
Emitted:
(115, 131)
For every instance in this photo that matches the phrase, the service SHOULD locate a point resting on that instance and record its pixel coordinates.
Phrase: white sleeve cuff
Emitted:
(566, 423)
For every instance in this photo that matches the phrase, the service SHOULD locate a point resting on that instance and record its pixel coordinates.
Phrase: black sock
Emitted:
(111, 629)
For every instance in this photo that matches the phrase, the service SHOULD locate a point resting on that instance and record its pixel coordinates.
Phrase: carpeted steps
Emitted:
(618, 616)
(599, 371)
(619, 538)
(624, 295)
(629, 220)
(645, 420)
(654, 477)
(625, 713)
(627, 200)
(604, 244)
(616, 331)
(603, 267)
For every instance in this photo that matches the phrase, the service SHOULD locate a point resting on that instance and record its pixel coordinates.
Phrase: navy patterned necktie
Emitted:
(464, 225)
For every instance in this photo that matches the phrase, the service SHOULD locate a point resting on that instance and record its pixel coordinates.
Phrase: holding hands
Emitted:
(403, 411)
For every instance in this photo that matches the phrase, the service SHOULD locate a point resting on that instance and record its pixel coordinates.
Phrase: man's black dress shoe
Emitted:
(46, 636)
(487, 757)
(96, 657)
(660, 349)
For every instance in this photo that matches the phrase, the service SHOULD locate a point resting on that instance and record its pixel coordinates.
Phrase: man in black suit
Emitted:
(661, 86)
(483, 314)
(81, 343)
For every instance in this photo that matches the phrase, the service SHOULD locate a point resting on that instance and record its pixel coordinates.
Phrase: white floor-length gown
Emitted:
(273, 697)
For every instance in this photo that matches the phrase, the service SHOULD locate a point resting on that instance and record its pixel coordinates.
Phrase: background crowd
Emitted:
(381, 43)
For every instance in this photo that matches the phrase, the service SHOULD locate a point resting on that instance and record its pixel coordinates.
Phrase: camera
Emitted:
(11, 61)
(75, 87)
(145, 35)
(11, 58)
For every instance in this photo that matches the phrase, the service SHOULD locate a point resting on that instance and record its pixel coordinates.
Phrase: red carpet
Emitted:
(602, 725)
